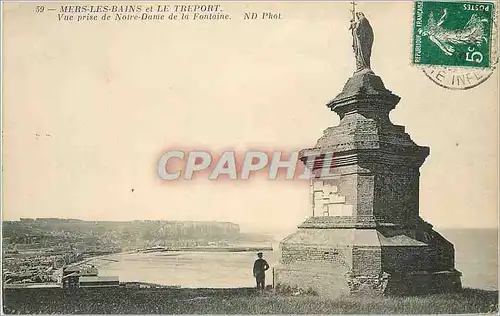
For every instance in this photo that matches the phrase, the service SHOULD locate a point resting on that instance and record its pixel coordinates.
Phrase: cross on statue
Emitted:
(353, 10)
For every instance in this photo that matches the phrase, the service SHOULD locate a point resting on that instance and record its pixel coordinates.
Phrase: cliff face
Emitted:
(198, 230)
(46, 232)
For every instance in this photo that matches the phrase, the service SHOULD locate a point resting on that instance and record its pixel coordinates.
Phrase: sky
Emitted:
(88, 109)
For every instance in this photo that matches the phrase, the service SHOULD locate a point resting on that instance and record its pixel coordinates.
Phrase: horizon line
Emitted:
(218, 221)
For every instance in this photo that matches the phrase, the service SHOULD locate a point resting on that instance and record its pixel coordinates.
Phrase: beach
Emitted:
(475, 253)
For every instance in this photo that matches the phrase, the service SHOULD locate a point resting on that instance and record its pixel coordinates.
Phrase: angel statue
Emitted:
(362, 35)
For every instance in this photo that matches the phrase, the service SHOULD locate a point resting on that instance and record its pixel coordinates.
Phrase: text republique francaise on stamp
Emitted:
(455, 42)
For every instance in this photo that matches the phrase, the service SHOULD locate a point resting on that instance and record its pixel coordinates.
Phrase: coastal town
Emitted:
(52, 251)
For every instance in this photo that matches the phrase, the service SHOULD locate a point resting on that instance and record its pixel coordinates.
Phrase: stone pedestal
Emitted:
(366, 233)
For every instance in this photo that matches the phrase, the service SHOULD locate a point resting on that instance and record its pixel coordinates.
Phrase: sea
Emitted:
(476, 256)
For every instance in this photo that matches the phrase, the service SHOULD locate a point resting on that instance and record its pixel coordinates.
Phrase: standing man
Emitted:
(259, 271)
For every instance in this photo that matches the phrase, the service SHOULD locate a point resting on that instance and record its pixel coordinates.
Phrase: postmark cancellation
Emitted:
(455, 42)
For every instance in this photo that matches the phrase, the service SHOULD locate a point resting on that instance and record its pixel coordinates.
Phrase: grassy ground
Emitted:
(235, 301)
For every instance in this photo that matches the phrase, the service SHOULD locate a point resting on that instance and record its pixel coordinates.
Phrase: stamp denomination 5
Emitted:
(454, 42)
(452, 34)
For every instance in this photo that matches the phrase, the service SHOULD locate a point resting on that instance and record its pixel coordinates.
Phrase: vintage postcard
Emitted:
(250, 157)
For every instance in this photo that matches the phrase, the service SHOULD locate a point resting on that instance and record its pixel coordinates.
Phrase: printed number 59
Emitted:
(476, 57)
(39, 9)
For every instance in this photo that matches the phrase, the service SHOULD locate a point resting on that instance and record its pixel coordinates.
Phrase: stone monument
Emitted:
(365, 233)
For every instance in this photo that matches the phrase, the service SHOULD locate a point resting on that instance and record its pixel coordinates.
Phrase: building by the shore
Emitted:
(84, 276)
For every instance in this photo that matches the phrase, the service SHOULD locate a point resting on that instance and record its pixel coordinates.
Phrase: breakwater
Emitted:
(206, 249)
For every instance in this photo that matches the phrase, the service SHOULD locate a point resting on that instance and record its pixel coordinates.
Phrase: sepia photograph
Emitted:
(249, 157)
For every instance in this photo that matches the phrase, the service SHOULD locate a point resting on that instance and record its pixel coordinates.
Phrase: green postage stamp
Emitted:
(452, 33)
